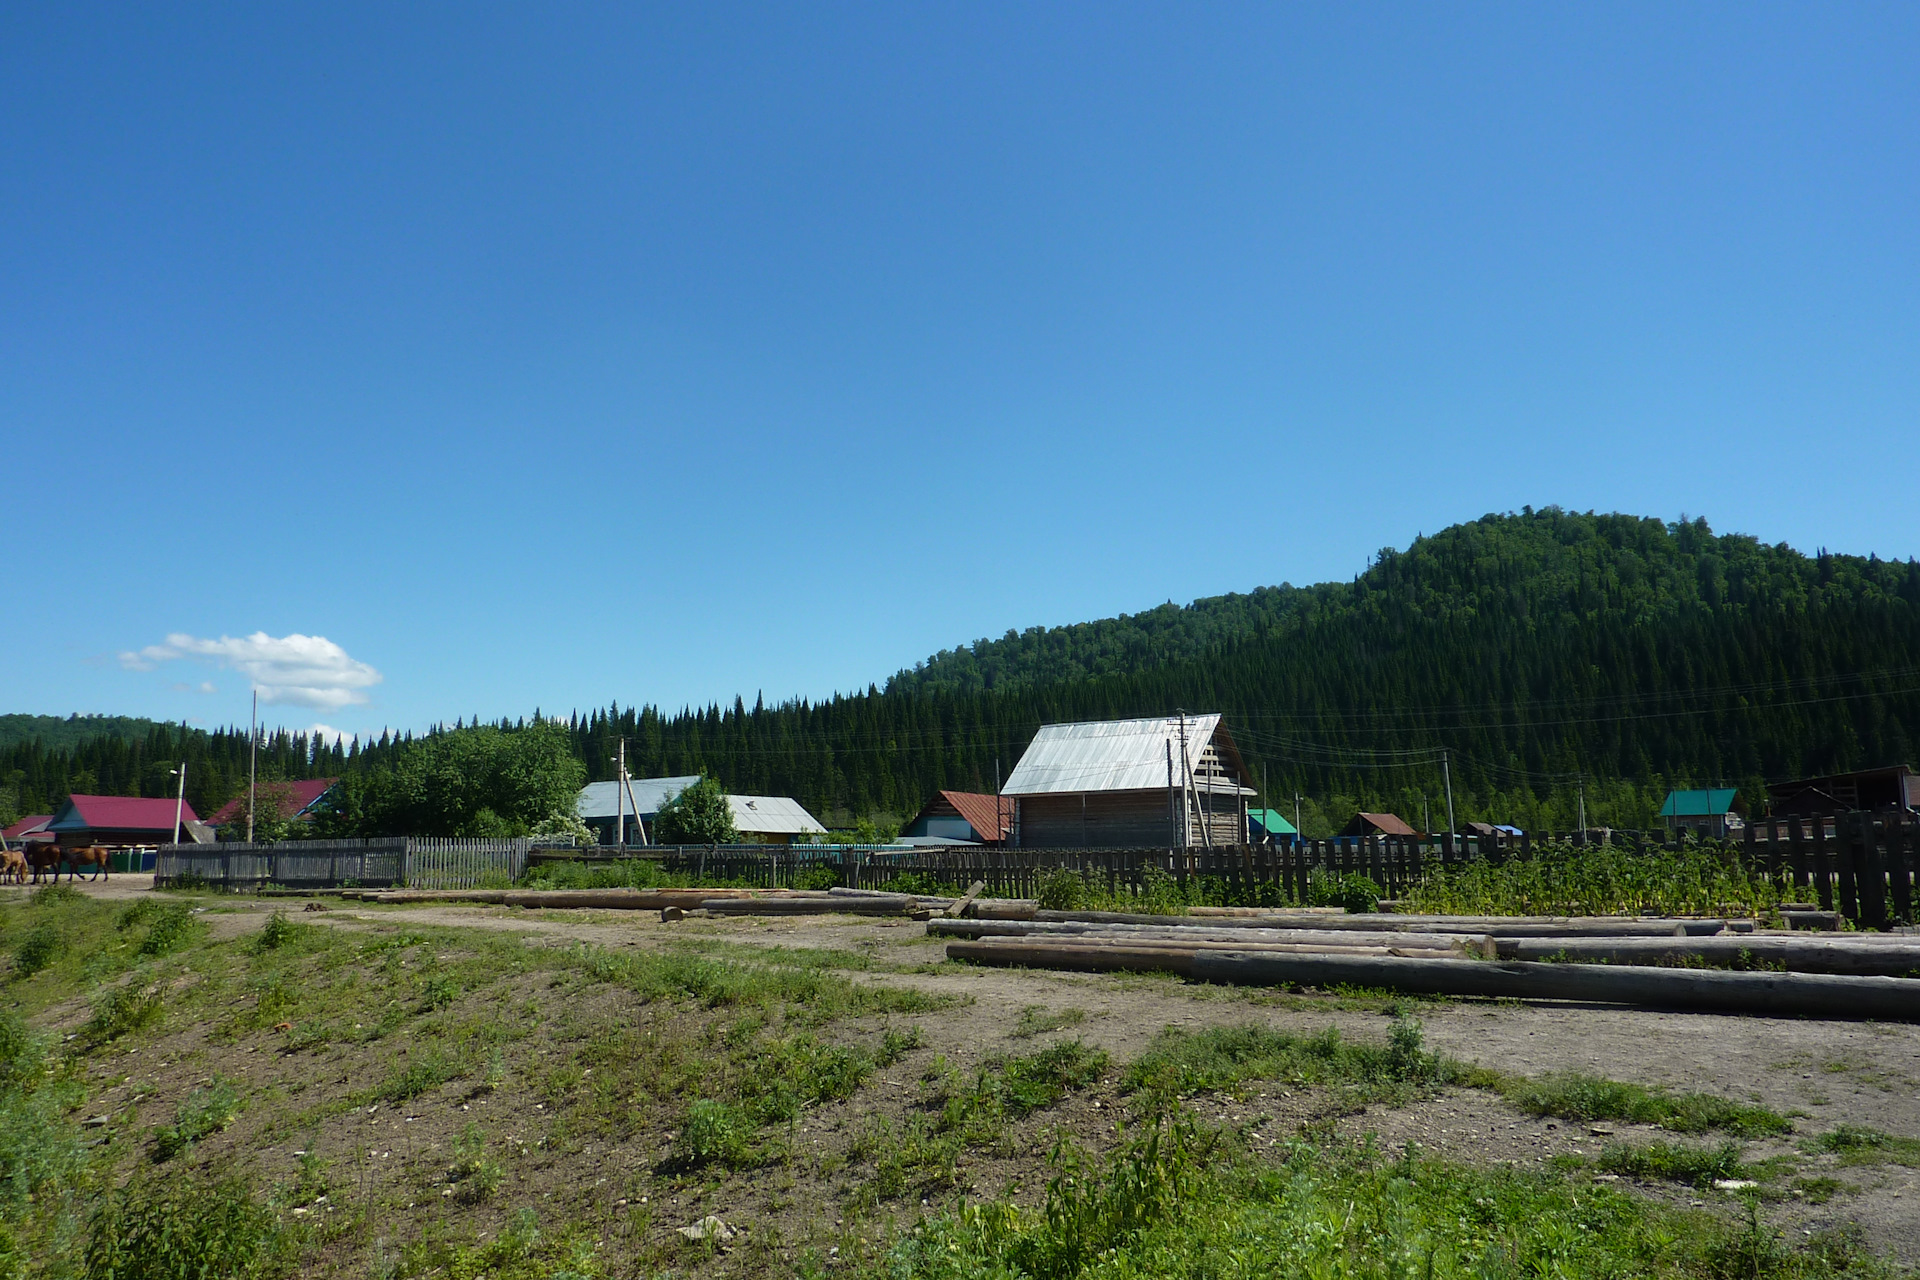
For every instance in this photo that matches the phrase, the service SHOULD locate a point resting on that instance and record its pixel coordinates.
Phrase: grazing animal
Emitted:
(13, 867)
(44, 858)
(95, 856)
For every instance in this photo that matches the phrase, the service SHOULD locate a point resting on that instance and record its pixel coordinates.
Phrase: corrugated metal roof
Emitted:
(990, 817)
(597, 798)
(1273, 822)
(118, 813)
(1113, 755)
(295, 799)
(1709, 803)
(771, 815)
(27, 826)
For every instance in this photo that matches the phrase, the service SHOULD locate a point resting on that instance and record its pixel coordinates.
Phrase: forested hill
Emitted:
(1532, 648)
(1540, 652)
(63, 733)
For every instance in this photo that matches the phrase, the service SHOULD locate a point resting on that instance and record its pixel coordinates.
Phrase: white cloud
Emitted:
(294, 670)
(205, 686)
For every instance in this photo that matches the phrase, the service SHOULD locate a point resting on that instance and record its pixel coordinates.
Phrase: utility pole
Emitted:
(253, 763)
(1446, 771)
(999, 814)
(1297, 833)
(180, 801)
(1186, 780)
(1581, 779)
(620, 800)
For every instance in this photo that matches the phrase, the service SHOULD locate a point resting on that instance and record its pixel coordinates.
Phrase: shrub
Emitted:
(698, 815)
(40, 948)
(473, 1176)
(276, 933)
(1063, 890)
(714, 1133)
(121, 1010)
(1350, 891)
(817, 878)
(21, 1056)
(170, 1230)
(204, 1113)
(52, 895)
(172, 928)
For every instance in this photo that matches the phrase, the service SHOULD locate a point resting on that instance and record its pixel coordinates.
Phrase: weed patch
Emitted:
(40, 948)
(1857, 1145)
(1572, 1096)
(120, 1011)
(1036, 1020)
(1671, 1162)
(1181, 1063)
(204, 1113)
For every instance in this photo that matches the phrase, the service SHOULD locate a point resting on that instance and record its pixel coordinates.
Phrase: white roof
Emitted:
(597, 798)
(771, 815)
(1109, 755)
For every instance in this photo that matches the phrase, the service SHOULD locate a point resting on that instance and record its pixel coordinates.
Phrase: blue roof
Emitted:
(1711, 803)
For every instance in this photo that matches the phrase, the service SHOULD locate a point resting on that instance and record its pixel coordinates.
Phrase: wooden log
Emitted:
(1500, 926)
(1770, 994)
(821, 904)
(1440, 944)
(1091, 958)
(1800, 954)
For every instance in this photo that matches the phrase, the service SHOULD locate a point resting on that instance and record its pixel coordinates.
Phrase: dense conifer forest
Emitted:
(1546, 654)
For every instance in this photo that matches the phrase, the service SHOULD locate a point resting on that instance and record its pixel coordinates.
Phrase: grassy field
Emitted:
(184, 1092)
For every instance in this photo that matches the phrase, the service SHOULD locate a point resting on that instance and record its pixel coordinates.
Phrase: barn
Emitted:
(1168, 782)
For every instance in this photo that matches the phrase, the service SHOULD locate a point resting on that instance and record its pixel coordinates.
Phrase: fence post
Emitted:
(1871, 874)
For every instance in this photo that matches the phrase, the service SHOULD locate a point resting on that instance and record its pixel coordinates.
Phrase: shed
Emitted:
(1893, 787)
(1376, 824)
(966, 817)
(117, 820)
(1270, 825)
(1711, 811)
(1169, 781)
(297, 800)
(772, 819)
(601, 802)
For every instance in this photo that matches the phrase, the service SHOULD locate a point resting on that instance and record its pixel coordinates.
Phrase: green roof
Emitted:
(1711, 803)
(1270, 821)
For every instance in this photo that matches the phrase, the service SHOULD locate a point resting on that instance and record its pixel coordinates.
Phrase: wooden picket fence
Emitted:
(332, 864)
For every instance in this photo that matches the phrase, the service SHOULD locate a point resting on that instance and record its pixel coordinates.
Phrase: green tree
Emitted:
(698, 815)
(478, 782)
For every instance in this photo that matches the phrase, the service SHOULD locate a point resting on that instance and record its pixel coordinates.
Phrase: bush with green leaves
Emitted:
(40, 947)
(714, 1132)
(700, 814)
(277, 932)
(202, 1114)
(1350, 891)
(171, 1229)
(122, 1010)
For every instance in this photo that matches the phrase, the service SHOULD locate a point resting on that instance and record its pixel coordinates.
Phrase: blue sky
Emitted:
(549, 355)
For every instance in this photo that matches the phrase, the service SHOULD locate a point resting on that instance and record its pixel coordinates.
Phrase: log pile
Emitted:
(1722, 965)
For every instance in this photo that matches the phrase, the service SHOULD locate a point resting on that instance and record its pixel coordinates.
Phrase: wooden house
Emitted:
(1165, 782)
(966, 817)
(1376, 824)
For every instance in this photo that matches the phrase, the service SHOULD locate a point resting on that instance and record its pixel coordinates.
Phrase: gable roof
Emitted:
(1272, 821)
(1387, 824)
(771, 815)
(986, 814)
(1120, 755)
(118, 813)
(599, 799)
(295, 799)
(27, 826)
(1711, 802)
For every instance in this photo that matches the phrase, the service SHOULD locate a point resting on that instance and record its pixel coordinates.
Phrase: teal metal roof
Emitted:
(1711, 803)
(1271, 821)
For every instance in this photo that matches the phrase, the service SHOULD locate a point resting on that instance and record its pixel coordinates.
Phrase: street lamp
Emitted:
(180, 801)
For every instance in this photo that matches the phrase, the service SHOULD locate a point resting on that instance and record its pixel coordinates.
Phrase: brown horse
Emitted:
(44, 858)
(95, 856)
(13, 867)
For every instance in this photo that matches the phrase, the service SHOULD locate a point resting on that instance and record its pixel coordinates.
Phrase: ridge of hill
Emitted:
(61, 733)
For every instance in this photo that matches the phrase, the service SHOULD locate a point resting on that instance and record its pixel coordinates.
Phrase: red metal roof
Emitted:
(981, 813)
(119, 813)
(27, 826)
(295, 798)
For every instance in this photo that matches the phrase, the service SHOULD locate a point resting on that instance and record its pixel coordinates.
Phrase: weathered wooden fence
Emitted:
(320, 864)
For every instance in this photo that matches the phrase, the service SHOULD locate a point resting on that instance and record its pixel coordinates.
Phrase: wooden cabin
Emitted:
(1159, 783)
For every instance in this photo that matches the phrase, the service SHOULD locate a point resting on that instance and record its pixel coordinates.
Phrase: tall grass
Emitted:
(1600, 880)
(1180, 1200)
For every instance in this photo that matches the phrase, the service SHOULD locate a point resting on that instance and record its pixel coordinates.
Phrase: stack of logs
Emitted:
(1723, 965)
